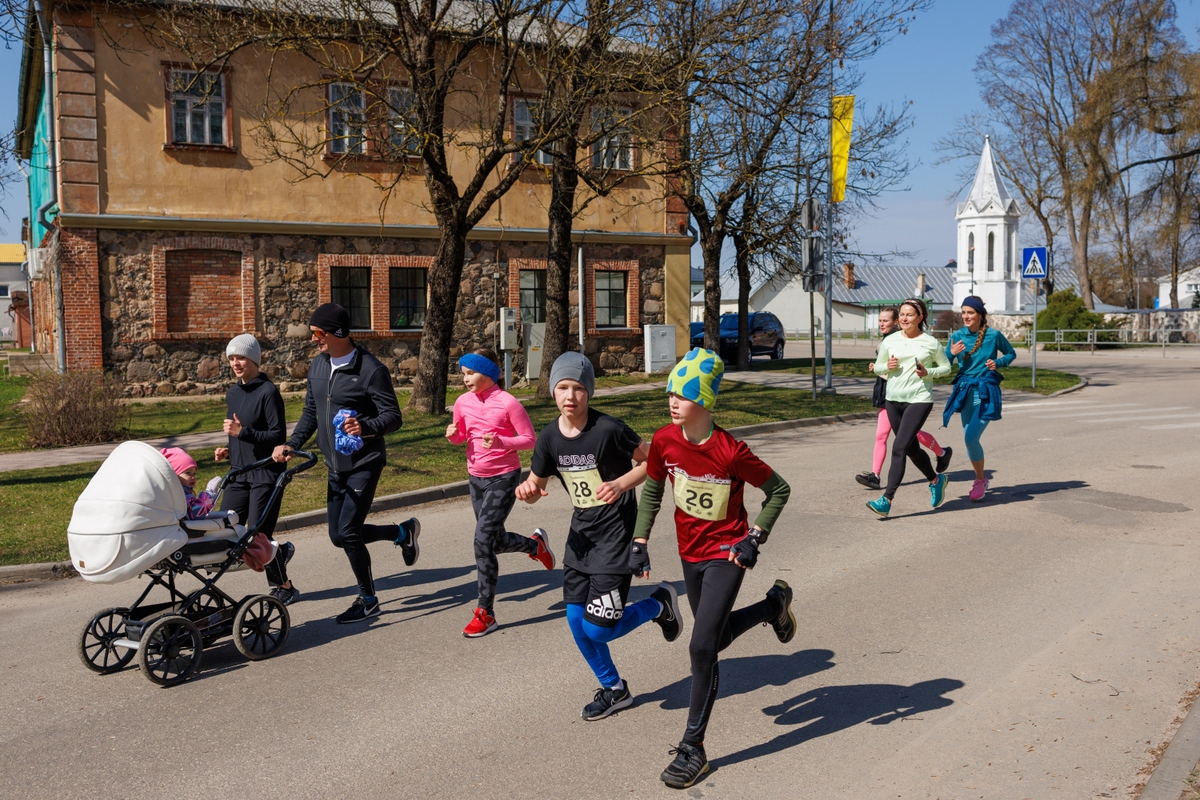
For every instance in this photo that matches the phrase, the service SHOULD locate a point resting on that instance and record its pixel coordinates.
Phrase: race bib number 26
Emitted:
(702, 499)
(582, 485)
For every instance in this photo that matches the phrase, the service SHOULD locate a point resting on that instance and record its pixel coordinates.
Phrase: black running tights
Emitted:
(249, 500)
(493, 498)
(907, 419)
(348, 500)
(712, 588)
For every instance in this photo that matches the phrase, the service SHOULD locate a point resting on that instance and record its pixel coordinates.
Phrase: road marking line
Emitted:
(1145, 418)
(1091, 412)
(1034, 405)
(1171, 427)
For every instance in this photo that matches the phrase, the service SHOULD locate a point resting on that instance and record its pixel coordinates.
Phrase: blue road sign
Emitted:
(1033, 262)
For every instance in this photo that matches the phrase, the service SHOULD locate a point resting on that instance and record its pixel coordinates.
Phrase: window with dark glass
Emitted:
(197, 107)
(407, 292)
(610, 299)
(533, 295)
(614, 149)
(991, 252)
(970, 252)
(350, 287)
(402, 122)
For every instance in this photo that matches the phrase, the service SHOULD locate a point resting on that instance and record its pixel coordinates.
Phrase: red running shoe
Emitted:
(543, 553)
(481, 624)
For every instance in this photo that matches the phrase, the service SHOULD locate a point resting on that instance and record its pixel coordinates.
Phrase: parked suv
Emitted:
(765, 329)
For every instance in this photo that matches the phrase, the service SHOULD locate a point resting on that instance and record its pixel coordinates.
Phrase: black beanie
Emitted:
(331, 318)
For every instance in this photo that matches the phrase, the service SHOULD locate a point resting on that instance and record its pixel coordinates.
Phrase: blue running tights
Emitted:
(593, 639)
(973, 427)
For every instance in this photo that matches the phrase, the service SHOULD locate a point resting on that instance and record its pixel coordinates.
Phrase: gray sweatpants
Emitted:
(493, 498)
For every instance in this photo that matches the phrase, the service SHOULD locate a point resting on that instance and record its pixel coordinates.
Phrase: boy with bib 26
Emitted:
(708, 469)
(593, 454)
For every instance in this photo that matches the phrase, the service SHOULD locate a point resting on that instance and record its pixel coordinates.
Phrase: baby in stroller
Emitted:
(131, 520)
(198, 505)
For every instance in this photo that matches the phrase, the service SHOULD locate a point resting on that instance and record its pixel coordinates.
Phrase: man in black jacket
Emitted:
(345, 378)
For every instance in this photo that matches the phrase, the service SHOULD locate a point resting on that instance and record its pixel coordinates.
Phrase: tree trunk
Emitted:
(564, 180)
(710, 248)
(433, 361)
(742, 262)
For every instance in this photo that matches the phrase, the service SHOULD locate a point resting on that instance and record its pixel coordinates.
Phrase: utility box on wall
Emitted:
(660, 348)
(508, 329)
(535, 338)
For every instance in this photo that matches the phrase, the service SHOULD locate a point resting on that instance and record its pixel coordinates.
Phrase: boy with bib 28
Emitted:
(708, 469)
(592, 454)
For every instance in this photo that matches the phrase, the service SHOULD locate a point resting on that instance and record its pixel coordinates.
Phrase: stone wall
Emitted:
(285, 285)
(1178, 324)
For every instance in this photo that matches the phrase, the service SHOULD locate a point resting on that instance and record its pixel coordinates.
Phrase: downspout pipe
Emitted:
(44, 28)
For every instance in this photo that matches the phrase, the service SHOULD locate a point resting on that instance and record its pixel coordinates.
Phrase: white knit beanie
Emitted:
(245, 345)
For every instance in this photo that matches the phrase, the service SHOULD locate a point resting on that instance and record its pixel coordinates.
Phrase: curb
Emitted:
(1169, 778)
(1082, 383)
(431, 494)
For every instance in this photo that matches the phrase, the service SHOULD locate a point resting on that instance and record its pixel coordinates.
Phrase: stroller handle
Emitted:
(309, 462)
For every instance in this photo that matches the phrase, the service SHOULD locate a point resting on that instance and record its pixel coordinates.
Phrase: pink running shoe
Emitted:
(978, 490)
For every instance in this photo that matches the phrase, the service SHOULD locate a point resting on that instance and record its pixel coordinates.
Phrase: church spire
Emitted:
(988, 187)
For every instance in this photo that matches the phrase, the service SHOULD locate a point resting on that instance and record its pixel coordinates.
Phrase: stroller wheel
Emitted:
(96, 648)
(170, 650)
(260, 627)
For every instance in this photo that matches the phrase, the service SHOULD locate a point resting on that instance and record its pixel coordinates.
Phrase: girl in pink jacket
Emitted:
(494, 426)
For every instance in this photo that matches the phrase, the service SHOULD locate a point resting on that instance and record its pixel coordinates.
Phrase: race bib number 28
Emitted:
(702, 499)
(582, 485)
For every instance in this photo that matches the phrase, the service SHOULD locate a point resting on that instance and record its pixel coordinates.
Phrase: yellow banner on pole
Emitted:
(843, 124)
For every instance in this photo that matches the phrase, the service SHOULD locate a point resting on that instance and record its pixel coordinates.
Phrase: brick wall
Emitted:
(81, 298)
(204, 290)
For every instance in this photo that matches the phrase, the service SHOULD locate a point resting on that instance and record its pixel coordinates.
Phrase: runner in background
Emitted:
(883, 426)
(979, 351)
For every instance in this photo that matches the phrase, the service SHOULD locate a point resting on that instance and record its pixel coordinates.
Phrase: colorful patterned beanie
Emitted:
(697, 377)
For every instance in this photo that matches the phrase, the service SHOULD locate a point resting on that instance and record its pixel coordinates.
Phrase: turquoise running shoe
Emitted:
(882, 506)
(937, 491)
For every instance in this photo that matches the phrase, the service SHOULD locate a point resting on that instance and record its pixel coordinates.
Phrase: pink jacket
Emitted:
(492, 411)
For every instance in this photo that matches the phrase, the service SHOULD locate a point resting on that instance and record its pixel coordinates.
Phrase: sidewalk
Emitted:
(59, 457)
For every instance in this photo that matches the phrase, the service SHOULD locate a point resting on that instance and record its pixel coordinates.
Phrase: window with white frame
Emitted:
(197, 107)
(614, 149)
(526, 120)
(402, 122)
(610, 299)
(347, 119)
(3, 290)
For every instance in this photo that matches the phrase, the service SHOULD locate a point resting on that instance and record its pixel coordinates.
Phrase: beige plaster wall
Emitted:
(139, 177)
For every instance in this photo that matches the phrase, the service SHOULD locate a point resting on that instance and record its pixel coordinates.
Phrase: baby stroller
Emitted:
(131, 520)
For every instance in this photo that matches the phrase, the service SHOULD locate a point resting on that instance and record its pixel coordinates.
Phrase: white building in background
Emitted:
(989, 255)
(1188, 289)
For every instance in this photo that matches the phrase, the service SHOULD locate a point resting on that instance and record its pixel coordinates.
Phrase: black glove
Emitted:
(639, 558)
(745, 552)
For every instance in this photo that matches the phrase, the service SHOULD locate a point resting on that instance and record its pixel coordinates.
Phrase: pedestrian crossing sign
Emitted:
(1033, 265)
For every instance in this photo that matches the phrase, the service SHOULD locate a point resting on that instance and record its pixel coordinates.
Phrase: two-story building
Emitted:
(173, 229)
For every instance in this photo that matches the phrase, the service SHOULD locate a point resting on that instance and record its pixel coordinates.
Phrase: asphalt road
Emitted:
(1038, 645)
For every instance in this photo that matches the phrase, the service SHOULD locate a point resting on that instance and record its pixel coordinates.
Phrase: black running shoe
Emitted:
(689, 764)
(868, 479)
(285, 594)
(363, 608)
(785, 622)
(607, 702)
(943, 461)
(668, 618)
(406, 538)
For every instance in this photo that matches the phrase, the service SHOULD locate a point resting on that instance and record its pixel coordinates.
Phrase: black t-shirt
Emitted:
(600, 534)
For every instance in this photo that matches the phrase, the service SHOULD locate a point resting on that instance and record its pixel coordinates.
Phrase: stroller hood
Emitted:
(127, 519)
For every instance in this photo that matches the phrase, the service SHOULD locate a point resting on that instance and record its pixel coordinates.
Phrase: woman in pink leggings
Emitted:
(883, 427)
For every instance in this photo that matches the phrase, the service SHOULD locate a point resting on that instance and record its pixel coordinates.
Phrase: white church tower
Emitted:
(989, 261)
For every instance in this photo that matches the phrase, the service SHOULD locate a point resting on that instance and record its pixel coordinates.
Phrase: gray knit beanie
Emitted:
(244, 345)
(573, 366)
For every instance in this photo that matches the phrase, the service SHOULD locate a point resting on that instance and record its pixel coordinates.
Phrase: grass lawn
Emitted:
(12, 427)
(36, 504)
(1016, 378)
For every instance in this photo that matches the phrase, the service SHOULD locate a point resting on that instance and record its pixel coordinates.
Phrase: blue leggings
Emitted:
(593, 639)
(973, 427)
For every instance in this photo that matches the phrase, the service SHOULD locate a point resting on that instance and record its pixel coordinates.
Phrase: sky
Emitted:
(932, 66)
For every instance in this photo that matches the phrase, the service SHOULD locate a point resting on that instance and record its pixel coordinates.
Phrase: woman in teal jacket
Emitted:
(976, 396)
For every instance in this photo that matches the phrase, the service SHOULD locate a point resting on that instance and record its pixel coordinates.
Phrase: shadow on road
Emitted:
(999, 495)
(830, 709)
(747, 674)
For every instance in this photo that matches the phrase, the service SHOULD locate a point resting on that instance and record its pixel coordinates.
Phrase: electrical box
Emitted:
(660, 348)
(508, 329)
(535, 339)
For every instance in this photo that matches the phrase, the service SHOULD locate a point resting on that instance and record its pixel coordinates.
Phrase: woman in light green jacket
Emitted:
(910, 360)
